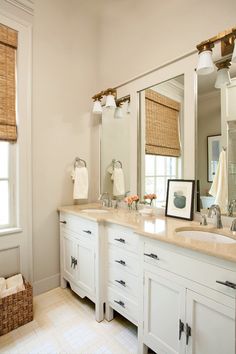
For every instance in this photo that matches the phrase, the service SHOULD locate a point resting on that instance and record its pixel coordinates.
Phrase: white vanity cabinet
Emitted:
(122, 272)
(185, 310)
(80, 259)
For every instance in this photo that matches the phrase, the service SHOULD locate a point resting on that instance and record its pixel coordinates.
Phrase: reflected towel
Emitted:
(219, 187)
(80, 177)
(118, 182)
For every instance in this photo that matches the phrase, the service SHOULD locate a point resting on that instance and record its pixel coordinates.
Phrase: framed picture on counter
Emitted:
(213, 154)
(179, 199)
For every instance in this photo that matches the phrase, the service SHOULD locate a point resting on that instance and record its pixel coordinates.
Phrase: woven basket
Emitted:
(16, 309)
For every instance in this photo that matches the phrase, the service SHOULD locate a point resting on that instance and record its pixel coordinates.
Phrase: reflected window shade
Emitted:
(8, 46)
(162, 125)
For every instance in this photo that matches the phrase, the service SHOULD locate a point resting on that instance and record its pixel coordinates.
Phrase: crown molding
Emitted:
(25, 5)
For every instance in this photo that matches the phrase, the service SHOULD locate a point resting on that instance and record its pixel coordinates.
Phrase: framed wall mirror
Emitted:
(161, 122)
(216, 121)
(114, 149)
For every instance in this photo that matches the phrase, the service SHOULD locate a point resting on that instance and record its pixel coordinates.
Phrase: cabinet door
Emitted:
(164, 308)
(68, 255)
(85, 273)
(212, 326)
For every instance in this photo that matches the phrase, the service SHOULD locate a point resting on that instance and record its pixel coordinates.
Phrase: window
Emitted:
(6, 186)
(158, 169)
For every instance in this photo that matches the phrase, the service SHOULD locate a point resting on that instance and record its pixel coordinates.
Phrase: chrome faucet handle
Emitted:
(204, 220)
(215, 210)
(233, 226)
(231, 206)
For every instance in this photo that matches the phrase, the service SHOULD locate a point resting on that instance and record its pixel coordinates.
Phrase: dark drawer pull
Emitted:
(151, 255)
(121, 262)
(121, 282)
(181, 328)
(227, 283)
(87, 232)
(120, 240)
(63, 222)
(121, 303)
(75, 263)
(188, 333)
(72, 261)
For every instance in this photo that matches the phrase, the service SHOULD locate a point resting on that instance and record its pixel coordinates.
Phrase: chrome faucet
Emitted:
(233, 226)
(105, 199)
(231, 206)
(214, 210)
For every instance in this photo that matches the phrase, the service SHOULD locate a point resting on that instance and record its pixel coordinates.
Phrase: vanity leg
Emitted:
(63, 283)
(142, 348)
(109, 313)
(99, 312)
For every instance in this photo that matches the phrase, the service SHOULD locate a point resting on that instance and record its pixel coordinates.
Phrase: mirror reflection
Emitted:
(115, 139)
(216, 148)
(160, 135)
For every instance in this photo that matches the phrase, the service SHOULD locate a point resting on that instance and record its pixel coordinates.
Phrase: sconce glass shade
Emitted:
(205, 63)
(110, 101)
(234, 53)
(97, 107)
(118, 113)
(223, 78)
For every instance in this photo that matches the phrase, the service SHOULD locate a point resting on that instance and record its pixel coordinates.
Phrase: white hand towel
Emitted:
(219, 187)
(118, 182)
(80, 183)
(9, 291)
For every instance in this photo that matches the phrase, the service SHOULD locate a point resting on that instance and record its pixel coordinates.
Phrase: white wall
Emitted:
(139, 35)
(64, 79)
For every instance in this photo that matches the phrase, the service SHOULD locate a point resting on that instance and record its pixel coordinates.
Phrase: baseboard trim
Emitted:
(46, 284)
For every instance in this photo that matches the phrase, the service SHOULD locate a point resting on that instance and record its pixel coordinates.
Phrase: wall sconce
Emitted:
(110, 100)
(205, 65)
(97, 107)
(205, 62)
(223, 77)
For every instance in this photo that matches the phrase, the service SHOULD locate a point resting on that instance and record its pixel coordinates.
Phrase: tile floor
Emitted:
(64, 324)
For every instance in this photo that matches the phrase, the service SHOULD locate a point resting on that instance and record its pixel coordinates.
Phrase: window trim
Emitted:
(12, 202)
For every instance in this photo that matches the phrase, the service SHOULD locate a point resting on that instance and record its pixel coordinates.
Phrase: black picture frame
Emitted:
(180, 206)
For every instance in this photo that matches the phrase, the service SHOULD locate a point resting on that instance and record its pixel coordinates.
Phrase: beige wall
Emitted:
(137, 36)
(64, 79)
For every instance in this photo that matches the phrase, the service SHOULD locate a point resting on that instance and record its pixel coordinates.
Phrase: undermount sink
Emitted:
(205, 236)
(92, 210)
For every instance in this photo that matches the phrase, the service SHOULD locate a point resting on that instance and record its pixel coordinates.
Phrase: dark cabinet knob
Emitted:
(62, 221)
(151, 255)
(121, 262)
(121, 282)
(227, 283)
(120, 240)
(121, 303)
(87, 232)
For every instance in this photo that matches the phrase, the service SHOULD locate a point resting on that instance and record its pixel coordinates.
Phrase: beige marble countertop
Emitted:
(160, 228)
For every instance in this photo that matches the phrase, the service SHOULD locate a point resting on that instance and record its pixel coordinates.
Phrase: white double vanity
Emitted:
(180, 291)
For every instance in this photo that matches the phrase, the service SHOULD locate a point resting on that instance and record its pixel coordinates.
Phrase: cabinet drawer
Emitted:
(80, 226)
(124, 281)
(123, 238)
(125, 260)
(199, 271)
(122, 304)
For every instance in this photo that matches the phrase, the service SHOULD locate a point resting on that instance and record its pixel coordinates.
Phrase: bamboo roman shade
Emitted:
(8, 46)
(162, 125)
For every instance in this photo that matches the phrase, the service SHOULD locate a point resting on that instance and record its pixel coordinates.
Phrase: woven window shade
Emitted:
(8, 46)
(162, 125)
